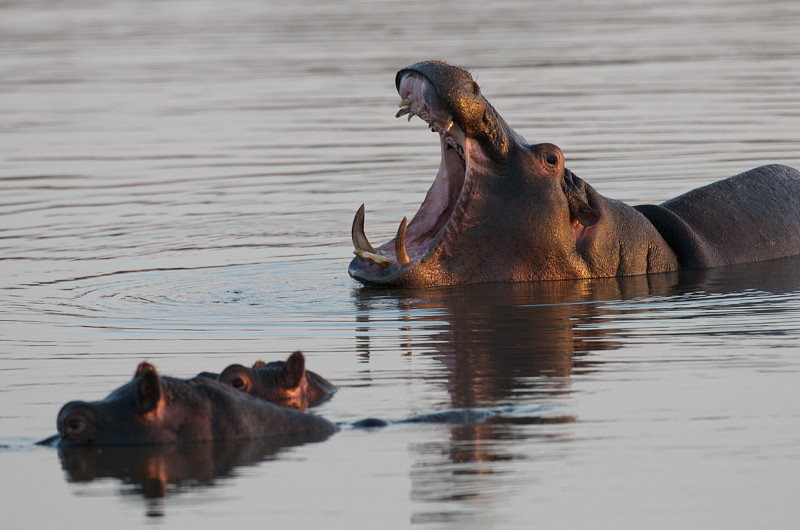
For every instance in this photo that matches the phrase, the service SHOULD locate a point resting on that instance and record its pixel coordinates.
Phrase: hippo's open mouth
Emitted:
(440, 212)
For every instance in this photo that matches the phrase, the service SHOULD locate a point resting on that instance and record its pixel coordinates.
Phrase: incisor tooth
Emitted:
(377, 259)
(448, 123)
(400, 244)
(360, 241)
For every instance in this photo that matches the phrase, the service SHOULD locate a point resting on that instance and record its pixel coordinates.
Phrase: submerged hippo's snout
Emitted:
(77, 423)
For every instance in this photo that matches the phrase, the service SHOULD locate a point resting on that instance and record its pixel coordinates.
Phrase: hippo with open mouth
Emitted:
(501, 209)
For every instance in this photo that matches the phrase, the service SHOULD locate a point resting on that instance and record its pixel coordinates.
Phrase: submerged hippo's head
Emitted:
(499, 209)
(151, 409)
(135, 413)
(286, 383)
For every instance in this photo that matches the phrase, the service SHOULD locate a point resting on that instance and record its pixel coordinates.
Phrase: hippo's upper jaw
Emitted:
(474, 140)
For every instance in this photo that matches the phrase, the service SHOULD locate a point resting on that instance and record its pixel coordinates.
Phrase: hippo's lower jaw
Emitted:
(412, 255)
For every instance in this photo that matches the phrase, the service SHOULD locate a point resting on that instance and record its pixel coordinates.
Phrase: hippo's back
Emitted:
(753, 216)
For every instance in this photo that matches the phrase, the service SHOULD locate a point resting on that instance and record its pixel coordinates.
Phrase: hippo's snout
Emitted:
(77, 424)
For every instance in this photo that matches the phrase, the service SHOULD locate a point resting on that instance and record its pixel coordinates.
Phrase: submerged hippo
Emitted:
(158, 410)
(501, 209)
(287, 383)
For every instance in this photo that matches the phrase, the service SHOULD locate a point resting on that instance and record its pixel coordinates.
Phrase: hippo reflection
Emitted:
(152, 409)
(151, 469)
(523, 343)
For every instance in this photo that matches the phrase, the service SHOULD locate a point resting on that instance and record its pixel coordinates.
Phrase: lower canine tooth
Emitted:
(402, 112)
(400, 244)
(360, 241)
(405, 103)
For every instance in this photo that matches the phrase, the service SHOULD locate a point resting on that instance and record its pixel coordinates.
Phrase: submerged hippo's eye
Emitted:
(551, 159)
(75, 426)
(238, 382)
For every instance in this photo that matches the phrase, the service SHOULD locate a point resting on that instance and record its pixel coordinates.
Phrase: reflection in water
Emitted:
(498, 339)
(521, 343)
(157, 471)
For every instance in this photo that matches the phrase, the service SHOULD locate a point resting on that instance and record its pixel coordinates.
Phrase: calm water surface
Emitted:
(178, 180)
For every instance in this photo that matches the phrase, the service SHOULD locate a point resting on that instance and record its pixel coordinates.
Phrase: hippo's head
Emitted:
(152, 410)
(287, 383)
(499, 208)
(140, 412)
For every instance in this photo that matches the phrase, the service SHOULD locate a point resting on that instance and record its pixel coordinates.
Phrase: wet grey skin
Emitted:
(151, 410)
(503, 210)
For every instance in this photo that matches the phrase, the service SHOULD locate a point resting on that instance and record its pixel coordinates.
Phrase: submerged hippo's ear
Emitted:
(237, 376)
(150, 390)
(295, 369)
(143, 366)
(258, 364)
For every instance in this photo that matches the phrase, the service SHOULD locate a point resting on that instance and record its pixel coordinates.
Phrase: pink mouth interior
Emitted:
(442, 197)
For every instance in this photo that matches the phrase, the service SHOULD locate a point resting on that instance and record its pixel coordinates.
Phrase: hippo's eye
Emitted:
(551, 159)
(75, 426)
(238, 383)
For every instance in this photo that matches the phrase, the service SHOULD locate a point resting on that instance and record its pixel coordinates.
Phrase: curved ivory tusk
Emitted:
(400, 244)
(360, 241)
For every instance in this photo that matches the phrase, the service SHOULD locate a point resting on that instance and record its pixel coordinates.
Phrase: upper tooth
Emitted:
(357, 232)
(400, 244)
(448, 123)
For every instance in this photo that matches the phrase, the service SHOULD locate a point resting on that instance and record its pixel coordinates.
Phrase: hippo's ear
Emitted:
(150, 390)
(582, 212)
(258, 364)
(238, 377)
(295, 369)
